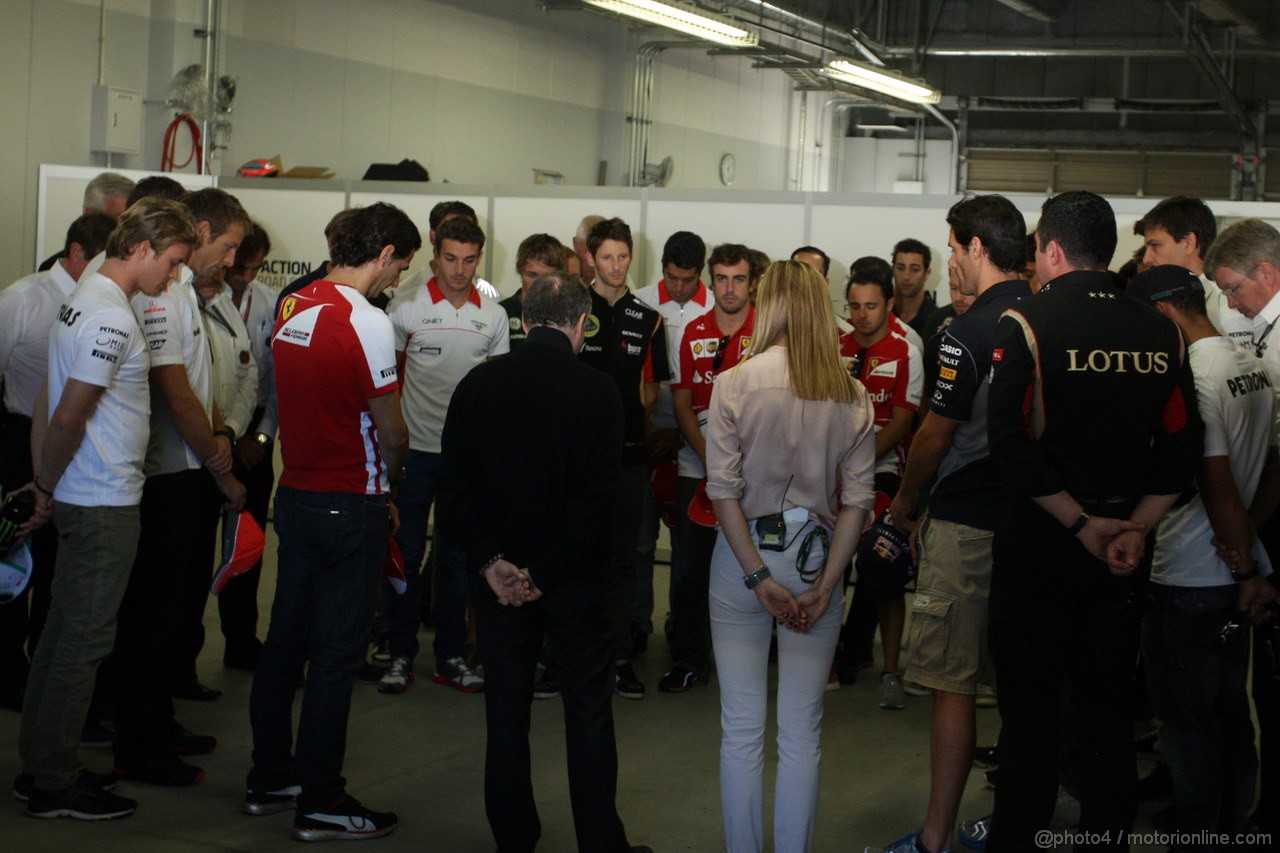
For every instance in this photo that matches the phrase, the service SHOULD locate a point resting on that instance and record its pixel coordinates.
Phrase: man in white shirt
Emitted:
(170, 578)
(255, 449)
(28, 311)
(680, 297)
(442, 331)
(89, 445)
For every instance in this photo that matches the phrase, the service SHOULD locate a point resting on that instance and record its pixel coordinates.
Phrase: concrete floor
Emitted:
(420, 755)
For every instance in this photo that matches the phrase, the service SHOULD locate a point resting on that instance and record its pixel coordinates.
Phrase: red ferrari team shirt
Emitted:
(333, 352)
(705, 353)
(891, 371)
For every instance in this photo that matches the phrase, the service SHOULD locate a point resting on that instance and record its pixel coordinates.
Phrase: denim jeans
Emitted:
(740, 630)
(1199, 693)
(449, 590)
(332, 546)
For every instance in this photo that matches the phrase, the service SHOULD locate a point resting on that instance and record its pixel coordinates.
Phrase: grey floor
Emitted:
(420, 754)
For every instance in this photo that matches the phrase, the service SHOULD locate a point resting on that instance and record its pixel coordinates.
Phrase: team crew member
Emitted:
(880, 269)
(626, 341)
(109, 193)
(254, 449)
(1245, 263)
(1198, 686)
(679, 297)
(442, 331)
(1087, 491)
(187, 435)
(28, 311)
(344, 443)
(1179, 230)
(948, 652)
(538, 562)
(912, 304)
(89, 452)
(441, 213)
(712, 343)
(538, 255)
(889, 369)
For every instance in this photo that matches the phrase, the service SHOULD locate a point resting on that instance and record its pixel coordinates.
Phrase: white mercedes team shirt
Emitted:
(175, 335)
(28, 309)
(438, 344)
(1236, 400)
(96, 339)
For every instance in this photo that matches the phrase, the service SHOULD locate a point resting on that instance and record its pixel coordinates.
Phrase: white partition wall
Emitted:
(294, 219)
(417, 202)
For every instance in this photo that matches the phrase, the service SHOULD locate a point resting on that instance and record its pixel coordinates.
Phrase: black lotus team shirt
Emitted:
(1093, 394)
(627, 342)
(514, 306)
(969, 490)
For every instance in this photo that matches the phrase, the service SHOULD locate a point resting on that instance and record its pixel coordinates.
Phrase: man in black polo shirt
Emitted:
(1095, 431)
(624, 338)
(948, 651)
(538, 255)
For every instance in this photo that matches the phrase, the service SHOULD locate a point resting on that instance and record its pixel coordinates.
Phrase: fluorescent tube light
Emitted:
(884, 82)
(683, 18)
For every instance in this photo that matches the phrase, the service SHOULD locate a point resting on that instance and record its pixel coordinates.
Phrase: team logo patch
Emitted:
(880, 367)
(286, 310)
(591, 327)
(947, 373)
(515, 324)
(997, 355)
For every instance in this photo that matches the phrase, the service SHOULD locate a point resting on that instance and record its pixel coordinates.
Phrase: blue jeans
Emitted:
(1200, 696)
(449, 590)
(332, 546)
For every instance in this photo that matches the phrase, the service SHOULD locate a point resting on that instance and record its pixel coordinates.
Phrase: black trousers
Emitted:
(1266, 704)
(146, 652)
(238, 603)
(22, 620)
(197, 575)
(575, 619)
(1059, 616)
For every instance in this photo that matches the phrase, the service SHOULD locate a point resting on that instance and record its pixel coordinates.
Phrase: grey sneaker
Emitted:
(892, 696)
(398, 678)
(456, 674)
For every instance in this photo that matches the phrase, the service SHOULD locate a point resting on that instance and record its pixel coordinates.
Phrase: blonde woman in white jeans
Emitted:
(790, 459)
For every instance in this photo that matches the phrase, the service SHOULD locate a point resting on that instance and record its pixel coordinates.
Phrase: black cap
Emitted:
(1164, 282)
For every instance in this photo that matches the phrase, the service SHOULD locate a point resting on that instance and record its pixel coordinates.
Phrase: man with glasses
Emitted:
(711, 344)
(1245, 264)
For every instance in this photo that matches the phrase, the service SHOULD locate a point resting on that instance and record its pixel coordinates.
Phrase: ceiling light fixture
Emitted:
(684, 18)
(877, 80)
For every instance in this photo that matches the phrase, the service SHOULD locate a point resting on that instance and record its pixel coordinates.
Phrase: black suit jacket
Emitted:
(531, 449)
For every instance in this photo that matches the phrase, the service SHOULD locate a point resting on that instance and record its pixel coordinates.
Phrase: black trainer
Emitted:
(346, 819)
(25, 783)
(985, 757)
(679, 680)
(183, 742)
(168, 771)
(548, 686)
(80, 801)
(626, 683)
(260, 802)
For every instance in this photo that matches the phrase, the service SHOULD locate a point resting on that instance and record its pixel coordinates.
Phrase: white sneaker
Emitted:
(456, 674)
(892, 696)
(398, 678)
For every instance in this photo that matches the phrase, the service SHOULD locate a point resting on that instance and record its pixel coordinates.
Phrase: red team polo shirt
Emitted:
(698, 369)
(333, 351)
(891, 372)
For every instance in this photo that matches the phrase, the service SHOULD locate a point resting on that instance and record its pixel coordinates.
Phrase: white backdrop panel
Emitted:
(775, 228)
(294, 220)
(418, 206)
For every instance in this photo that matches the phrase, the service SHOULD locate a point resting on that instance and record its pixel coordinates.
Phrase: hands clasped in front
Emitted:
(797, 612)
(512, 585)
(1118, 542)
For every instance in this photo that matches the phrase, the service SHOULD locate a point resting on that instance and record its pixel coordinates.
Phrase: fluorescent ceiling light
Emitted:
(884, 82)
(683, 18)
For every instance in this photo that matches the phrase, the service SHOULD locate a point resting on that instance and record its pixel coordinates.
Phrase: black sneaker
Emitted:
(347, 820)
(80, 801)
(96, 735)
(270, 802)
(679, 680)
(985, 757)
(626, 683)
(548, 686)
(183, 742)
(165, 770)
(25, 783)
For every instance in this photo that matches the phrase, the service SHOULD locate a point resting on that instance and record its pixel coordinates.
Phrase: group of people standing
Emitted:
(1039, 446)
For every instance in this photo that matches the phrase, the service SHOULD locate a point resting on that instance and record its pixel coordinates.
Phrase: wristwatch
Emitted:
(263, 439)
(1079, 523)
(756, 578)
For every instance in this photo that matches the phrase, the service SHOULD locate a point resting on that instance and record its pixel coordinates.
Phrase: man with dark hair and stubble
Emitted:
(1181, 230)
(911, 267)
(624, 339)
(539, 564)
(1095, 434)
(344, 442)
(947, 645)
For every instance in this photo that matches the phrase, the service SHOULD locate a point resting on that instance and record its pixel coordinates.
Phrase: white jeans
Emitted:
(740, 630)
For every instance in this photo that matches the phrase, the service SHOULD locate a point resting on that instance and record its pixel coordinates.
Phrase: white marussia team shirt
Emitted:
(175, 335)
(1235, 399)
(28, 309)
(96, 340)
(439, 344)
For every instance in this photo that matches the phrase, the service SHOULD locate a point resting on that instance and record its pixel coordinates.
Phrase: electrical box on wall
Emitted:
(115, 124)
